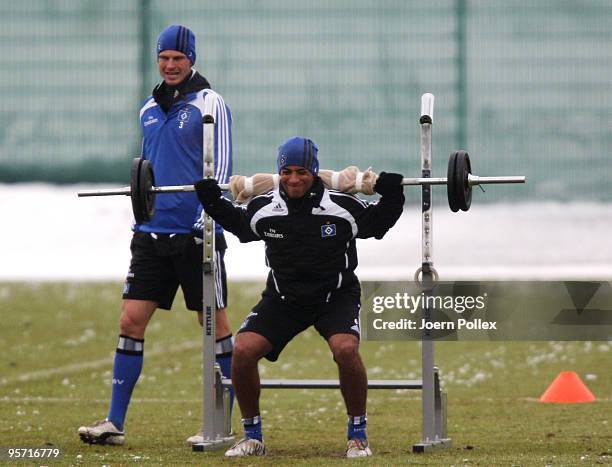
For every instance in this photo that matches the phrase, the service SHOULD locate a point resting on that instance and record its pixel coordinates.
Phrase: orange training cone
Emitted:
(567, 388)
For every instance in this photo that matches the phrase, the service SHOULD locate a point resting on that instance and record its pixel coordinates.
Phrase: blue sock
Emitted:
(252, 428)
(126, 370)
(357, 427)
(223, 351)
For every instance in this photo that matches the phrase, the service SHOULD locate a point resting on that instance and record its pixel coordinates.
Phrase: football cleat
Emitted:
(102, 432)
(246, 447)
(195, 439)
(358, 448)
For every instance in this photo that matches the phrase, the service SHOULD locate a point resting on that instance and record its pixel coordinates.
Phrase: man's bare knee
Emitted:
(135, 317)
(345, 349)
(249, 348)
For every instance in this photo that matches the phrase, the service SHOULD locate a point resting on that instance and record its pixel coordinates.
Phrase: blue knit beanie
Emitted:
(298, 151)
(178, 38)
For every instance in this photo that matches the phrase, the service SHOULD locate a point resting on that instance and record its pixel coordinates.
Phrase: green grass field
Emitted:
(57, 344)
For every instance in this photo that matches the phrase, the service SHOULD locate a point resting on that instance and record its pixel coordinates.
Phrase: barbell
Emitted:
(459, 183)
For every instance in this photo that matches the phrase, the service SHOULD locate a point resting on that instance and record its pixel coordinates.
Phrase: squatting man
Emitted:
(309, 233)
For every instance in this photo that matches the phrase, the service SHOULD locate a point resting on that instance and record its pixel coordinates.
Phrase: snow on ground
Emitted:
(49, 234)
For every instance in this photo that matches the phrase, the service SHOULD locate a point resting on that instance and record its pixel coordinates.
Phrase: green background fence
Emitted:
(525, 87)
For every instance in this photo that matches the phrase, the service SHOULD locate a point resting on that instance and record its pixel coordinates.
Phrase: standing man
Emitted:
(166, 252)
(310, 233)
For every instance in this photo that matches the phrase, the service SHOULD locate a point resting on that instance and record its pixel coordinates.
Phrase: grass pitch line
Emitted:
(94, 364)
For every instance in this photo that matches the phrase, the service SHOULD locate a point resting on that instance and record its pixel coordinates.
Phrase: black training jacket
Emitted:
(310, 242)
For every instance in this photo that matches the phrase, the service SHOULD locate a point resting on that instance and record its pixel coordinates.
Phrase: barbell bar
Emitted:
(473, 180)
(459, 182)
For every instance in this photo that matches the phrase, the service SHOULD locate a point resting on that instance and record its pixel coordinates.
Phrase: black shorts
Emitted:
(279, 322)
(160, 263)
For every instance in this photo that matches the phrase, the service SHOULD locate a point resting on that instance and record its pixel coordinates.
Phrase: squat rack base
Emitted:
(214, 445)
(428, 446)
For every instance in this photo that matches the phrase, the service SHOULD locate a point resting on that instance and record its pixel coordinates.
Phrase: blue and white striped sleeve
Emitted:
(223, 142)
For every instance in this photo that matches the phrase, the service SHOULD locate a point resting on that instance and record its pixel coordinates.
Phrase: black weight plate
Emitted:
(451, 189)
(137, 202)
(147, 181)
(463, 189)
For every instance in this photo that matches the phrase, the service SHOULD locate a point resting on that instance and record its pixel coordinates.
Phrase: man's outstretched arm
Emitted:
(233, 219)
(377, 219)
